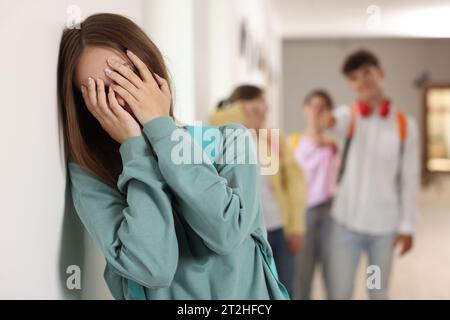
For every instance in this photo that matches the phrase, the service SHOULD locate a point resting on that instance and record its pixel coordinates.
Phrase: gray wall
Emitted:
(313, 63)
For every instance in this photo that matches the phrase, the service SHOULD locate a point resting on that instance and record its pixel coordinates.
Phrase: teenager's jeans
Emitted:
(346, 247)
(284, 261)
(316, 249)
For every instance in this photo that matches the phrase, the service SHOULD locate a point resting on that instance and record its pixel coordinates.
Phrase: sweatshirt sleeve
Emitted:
(296, 190)
(409, 180)
(133, 224)
(219, 204)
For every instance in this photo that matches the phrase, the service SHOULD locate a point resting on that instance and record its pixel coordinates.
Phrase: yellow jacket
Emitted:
(288, 183)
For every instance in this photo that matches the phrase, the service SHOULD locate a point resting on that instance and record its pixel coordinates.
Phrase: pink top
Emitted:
(319, 165)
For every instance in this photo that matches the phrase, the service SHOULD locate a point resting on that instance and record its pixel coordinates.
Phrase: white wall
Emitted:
(170, 24)
(228, 68)
(39, 236)
(264, 27)
(200, 42)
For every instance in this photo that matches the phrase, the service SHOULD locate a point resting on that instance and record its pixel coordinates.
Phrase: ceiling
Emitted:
(356, 18)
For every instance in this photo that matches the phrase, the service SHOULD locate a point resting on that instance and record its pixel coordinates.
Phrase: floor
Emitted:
(424, 273)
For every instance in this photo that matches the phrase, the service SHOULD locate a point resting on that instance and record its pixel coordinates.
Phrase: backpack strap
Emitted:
(401, 121)
(348, 140)
(352, 124)
(402, 124)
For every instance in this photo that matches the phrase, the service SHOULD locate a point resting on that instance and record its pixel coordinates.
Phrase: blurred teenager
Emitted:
(374, 208)
(283, 194)
(317, 156)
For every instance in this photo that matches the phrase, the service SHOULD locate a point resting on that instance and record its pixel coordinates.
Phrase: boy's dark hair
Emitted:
(358, 59)
(246, 92)
(223, 104)
(321, 94)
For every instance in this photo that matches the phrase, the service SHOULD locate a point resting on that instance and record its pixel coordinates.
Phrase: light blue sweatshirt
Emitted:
(177, 230)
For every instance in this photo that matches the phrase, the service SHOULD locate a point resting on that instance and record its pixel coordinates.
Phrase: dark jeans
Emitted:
(284, 261)
(316, 249)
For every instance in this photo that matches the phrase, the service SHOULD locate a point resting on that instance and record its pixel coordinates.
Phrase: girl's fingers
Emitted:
(85, 94)
(163, 85)
(125, 95)
(92, 93)
(101, 100)
(126, 72)
(116, 108)
(123, 82)
(141, 67)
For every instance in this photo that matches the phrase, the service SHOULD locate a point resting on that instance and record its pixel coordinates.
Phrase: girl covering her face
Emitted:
(167, 230)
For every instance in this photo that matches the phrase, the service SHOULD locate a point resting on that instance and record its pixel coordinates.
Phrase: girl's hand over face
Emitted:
(114, 119)
(148, 98)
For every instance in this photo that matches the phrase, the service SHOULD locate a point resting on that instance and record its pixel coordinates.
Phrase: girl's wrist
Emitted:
(130, 137)
(148, 118)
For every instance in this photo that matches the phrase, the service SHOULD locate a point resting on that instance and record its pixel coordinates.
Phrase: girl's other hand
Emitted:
(328, 120)
(114, 119)
(296, 243)
(148, 98)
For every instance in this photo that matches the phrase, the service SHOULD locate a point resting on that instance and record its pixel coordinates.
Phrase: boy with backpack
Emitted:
(374, 208)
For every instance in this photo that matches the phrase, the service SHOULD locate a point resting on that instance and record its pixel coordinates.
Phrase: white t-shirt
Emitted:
(368, 198)
(272, 215)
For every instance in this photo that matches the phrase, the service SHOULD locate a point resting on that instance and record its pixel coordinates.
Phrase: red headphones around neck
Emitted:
(366, 110)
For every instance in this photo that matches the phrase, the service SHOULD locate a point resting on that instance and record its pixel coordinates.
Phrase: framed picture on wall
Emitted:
(436, 137)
